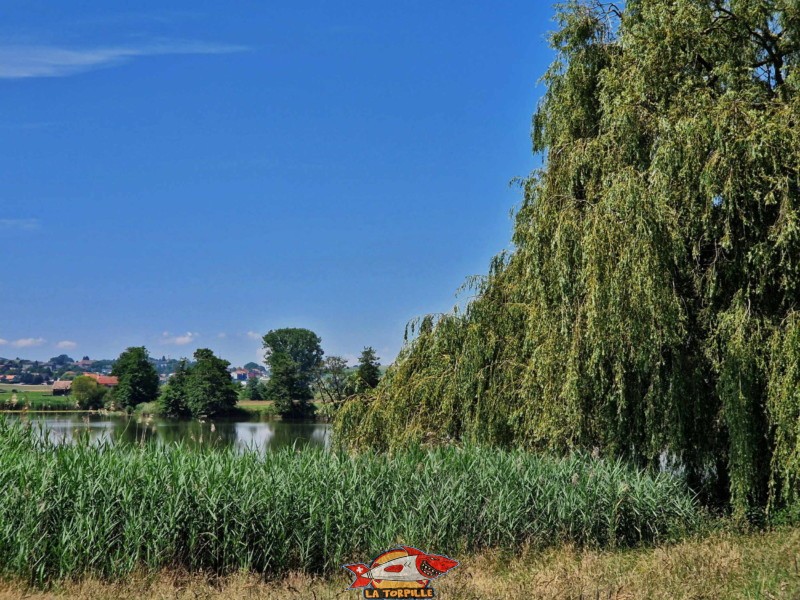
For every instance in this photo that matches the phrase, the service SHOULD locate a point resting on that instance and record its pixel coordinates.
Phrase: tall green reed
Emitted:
(71, 510)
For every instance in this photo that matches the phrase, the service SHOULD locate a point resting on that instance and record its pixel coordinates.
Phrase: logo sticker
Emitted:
(402, 572)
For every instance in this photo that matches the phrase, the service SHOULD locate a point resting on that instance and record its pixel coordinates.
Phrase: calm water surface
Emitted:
(239, 434)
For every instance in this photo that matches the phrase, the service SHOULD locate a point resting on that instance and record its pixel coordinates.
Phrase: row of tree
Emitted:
(200, 388)
(204, 387)
(298, 371)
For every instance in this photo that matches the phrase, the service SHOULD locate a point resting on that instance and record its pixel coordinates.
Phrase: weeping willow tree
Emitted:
(648, 306)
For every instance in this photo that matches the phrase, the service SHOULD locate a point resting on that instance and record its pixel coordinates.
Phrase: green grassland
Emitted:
(266, 408)
(40, 398)
(28, 399)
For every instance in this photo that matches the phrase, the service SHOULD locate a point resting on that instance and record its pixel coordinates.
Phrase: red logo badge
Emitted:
(402, 572)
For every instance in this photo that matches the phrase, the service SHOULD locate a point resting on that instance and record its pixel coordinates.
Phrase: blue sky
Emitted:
(192, 174)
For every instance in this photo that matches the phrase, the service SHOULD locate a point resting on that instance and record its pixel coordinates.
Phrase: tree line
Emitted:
(298, 372)
(200, 388)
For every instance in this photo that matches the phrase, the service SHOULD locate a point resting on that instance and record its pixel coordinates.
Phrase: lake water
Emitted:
(239, 434)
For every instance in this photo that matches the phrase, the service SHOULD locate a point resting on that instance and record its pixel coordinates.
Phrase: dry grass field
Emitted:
(719, 566)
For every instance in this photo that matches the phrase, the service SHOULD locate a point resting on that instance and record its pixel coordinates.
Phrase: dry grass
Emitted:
(719, 566)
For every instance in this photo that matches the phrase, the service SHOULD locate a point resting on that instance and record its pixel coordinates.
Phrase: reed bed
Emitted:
(68, 511)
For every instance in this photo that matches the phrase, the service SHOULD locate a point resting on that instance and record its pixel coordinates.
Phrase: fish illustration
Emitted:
(404, 564)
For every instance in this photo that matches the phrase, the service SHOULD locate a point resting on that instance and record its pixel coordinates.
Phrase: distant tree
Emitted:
(61, 360)
(287, 387)
(209, 389)
(173, 401)
(251, 366)
(167, 366)
(333, 382)
(302, 346)
(138, 380)
(369, 368)
(252, 389)
(100, 366)
(87, 393)
(294, 357)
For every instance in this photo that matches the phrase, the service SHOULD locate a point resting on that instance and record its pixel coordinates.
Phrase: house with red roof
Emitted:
(104, 380)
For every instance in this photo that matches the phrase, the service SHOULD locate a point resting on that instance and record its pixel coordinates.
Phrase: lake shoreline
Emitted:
(244, 429)
(119, 413)
(39, 402)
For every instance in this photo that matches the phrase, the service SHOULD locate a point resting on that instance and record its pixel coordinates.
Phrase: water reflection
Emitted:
(254, 434)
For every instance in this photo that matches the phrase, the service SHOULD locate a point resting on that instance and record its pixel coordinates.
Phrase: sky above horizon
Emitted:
(189, 175)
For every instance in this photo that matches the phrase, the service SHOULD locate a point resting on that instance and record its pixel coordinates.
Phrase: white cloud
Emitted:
(28, 342)
(66, 345)
(23, 224)
(222, 335)
(253, 335)
(20, 62)
(3, 342)
(179, 340)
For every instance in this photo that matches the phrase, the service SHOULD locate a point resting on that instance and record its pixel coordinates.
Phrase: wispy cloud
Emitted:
(28, 342)
(3, 342)
(21, 224)
(253, 335)
(20, 62)
(178, 340)
(66, 345)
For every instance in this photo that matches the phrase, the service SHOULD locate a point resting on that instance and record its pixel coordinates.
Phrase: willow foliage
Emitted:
(648, 308)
